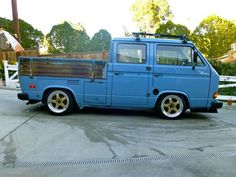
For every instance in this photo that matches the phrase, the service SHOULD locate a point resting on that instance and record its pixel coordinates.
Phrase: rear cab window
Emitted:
(131, 53)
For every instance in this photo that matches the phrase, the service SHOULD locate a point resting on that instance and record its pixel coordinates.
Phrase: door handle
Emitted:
(148, 68)
(118, 73)
(156, 75)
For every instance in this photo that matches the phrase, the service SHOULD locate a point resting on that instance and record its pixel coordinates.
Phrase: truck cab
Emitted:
(167, 75)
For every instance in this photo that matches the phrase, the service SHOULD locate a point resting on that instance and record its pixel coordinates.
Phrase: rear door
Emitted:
(173, 71)
(131, 72)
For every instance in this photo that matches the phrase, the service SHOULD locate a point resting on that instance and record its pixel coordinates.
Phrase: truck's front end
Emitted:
(212, 103)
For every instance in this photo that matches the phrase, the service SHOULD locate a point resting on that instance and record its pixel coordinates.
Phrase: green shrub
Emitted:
(227, 91)
(226, 69)
(2, 70)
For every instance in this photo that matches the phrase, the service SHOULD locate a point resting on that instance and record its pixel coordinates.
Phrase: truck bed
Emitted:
(58, 67)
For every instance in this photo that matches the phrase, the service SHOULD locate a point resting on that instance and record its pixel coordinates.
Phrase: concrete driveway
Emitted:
(98, 142)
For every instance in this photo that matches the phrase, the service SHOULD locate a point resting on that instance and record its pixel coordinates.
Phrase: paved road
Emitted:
(97, 142)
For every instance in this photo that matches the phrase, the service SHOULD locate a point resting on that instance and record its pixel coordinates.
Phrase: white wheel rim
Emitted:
(58, 102)
(172, 106)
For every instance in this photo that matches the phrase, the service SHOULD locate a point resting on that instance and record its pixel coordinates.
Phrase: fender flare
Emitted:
(47, 89)
(168, 92)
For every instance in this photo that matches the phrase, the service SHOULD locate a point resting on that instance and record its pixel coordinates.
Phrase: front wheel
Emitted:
(171, 106)
(59, 102)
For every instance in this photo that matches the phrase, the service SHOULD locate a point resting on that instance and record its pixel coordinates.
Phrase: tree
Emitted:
(214, 35)
(6, 25)
(66, 38)
(30, 37)
(149, 14)
(173, 29)
(100, 41)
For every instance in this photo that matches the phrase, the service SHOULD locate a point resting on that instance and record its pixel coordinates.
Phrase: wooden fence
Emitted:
(82, 55)
(11, 56)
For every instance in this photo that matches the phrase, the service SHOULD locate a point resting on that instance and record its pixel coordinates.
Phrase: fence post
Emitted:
(6, 72)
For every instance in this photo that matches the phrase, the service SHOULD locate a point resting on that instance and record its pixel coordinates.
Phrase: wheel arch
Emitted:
(47, 90)
(184, 95)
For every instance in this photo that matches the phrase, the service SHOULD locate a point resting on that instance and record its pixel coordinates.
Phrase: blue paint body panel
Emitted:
(129, 84)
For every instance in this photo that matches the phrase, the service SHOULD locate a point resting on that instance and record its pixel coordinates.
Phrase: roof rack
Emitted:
(144, 34)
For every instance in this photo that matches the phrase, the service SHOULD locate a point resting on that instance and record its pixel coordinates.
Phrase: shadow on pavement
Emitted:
(118, 112)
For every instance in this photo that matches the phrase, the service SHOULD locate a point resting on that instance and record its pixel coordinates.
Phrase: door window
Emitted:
(131, 53)
(176, 55)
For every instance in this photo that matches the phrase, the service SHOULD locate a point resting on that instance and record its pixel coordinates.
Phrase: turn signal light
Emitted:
(216, 94)
(32, 86)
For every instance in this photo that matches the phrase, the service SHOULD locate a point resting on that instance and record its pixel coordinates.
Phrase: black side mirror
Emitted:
(195, 55)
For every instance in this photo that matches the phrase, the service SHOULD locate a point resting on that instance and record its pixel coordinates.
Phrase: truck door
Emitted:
(131, 72)
(173, 71)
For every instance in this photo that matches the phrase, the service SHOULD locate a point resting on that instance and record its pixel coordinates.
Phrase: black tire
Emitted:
(59, 102)
(171, 106)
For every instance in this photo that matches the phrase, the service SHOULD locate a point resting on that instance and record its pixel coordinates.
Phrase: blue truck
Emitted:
(164, 73)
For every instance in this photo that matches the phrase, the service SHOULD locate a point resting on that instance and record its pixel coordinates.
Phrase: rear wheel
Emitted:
(59, 102)
(171, 106)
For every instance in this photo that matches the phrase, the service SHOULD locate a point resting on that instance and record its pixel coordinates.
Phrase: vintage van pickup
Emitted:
(161, 72)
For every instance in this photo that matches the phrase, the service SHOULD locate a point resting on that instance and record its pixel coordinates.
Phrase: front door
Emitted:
(173, 71)
(131, 72)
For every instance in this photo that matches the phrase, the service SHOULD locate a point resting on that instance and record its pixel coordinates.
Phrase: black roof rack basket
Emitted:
(144, 34)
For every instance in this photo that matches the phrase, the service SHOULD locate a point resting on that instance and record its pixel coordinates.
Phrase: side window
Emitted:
(131, 53)
(176, 55)
(199, 62)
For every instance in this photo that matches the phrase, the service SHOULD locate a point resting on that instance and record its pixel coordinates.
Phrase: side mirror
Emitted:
(195, 55)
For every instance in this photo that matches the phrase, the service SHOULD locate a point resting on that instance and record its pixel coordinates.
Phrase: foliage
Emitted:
(149, 14)
(227, 91)
(214, 35)
(173, 29)
(100, 41)
(224, 68)
(30, 37)
(67, 38)
(6, 24)
(1, 70)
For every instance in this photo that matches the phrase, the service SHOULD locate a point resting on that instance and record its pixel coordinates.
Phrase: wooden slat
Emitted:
(102, 55)
(24, 67)
(62, 68)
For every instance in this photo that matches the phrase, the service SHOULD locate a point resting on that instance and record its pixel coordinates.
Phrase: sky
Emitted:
(112, 15)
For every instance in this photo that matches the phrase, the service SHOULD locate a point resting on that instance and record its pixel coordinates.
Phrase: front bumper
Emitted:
(216, 105)
(23, 96)
(213, 109)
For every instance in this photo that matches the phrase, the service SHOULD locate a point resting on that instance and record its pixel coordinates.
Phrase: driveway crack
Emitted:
(12, 131)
